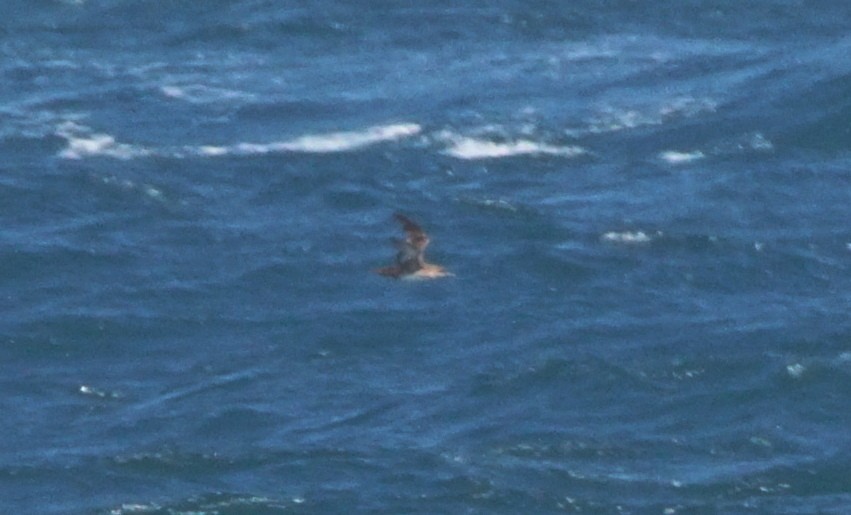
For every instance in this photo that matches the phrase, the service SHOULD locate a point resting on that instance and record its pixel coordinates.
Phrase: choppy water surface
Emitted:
(646, 209)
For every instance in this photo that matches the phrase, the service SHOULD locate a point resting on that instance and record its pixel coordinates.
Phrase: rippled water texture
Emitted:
(645, 209)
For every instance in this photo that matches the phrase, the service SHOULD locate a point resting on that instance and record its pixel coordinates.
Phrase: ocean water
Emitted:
(645, 205)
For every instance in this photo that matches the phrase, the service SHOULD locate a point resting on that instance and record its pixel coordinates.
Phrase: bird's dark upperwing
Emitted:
(410, 262)
(416, 236)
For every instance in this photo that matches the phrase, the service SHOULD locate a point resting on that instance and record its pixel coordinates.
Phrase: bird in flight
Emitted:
(410, 263)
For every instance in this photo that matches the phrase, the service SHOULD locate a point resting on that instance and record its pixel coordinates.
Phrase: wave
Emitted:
(83, 142)
(675, 158)
(627, 237)
(752, 142)
(215, 503)
(464, 147)
(200, 94)
(97, 392)
(320, 143)
(614, 119)
(126, 185)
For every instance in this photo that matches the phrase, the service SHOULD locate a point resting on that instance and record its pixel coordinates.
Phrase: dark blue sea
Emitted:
(646, 207)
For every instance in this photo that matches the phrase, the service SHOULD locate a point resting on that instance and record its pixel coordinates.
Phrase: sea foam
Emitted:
(614, 119)
(83, 142)
(319, 143)
(201, 94)
(676, 158)
(627, 237)
(475, 148)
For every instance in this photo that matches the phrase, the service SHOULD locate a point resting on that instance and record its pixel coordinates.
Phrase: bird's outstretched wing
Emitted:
(410, 262)
(416, 237)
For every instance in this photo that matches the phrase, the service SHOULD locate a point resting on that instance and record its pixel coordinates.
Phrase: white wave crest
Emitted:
(614, 119)
(200, 94)
(490, 203)
(627, 237)
(95, 392)
(83, 142)
(319, 143)
(173, 91)
(759, 142)
(474, 148)
(796, 370)
(343, 141)
(212, 150)
(676, 158)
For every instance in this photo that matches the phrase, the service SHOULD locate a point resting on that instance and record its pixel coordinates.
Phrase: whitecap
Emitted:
(212, 150)
(614, 119)
(259, 148)
(474, 148)
(201, 94)
(796, 370)
(95, 392)
(343, 141)
(497, 203)
(319, 143)
(675, 158)
(153, 192)
(83, 142)
(760, 142)
(126, 185)
(626, 237)
(135, 508)
(686, 107)
(173, 91)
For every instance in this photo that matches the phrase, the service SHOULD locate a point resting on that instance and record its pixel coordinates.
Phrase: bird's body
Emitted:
(410, 261)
